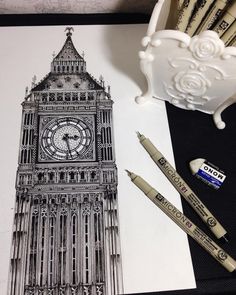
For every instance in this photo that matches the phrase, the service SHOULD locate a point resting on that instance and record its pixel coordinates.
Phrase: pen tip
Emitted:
(225, 238)
(128, 172)
(138, 134)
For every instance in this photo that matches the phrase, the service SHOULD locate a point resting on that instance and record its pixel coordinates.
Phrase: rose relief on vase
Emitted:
(197, 73)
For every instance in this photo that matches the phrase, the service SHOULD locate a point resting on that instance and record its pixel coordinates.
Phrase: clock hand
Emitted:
(65, 136)
(68, 146)
(74, 137)
(66, 139)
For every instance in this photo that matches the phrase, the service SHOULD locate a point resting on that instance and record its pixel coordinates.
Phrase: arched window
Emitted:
(103, 153)
(26, 136)
(74, 235)
(86, 249)
(90, 96)
(83, 96)
(98, 249)
(59, 96)
(72, 176)
(28, 119)
(25, 118)
(62, 249)
(36, 201)
(29, 156)
(33, 248)
(62, 176)
(110, 156)
(51, 250)
(74, 96)
(44, 97)
(108, 134)
(67, 96)
(52, 96)
(82, 175)
(23, 137)
(40, 176)
(31, 136)
(51, 176)
(93, 175)
(25, 156)
(22, 157)
(43, 245)
(103, 135)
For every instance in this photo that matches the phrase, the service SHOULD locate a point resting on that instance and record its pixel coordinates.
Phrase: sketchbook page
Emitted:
(155, 252)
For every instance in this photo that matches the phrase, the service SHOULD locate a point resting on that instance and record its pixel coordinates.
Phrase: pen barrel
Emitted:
(145, 187)
(185, 224)
(230, 34)
(212, 15)
(226, 21)
(197, 17)
(195, 232)
(180, 185)
(185, 14)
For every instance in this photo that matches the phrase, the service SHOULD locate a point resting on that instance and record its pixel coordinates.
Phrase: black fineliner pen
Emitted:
(184, 223)
(182, 187)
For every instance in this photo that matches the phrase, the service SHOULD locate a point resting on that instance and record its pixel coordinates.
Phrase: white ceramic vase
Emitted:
(197, 73)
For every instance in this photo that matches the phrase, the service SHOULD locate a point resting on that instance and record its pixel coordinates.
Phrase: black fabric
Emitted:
(71, 19)
(193, 135)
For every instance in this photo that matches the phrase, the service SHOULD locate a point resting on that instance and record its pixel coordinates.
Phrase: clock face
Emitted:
(66, 138)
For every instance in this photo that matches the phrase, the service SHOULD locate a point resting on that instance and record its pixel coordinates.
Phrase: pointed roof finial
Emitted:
(33, 83)
(102, 82)
(34, 79)
(68, 30)
(26, 91)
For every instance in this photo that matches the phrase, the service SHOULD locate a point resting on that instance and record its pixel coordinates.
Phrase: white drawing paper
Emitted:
(155, 252)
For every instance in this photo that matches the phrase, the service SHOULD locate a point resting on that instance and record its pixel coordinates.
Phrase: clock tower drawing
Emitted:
(65, 237)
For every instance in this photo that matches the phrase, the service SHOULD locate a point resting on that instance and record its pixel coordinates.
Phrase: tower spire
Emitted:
(68, 60)
(68, 30)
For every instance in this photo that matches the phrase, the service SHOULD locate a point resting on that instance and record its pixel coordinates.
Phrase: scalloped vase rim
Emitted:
(197, 72)
(170, 33)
